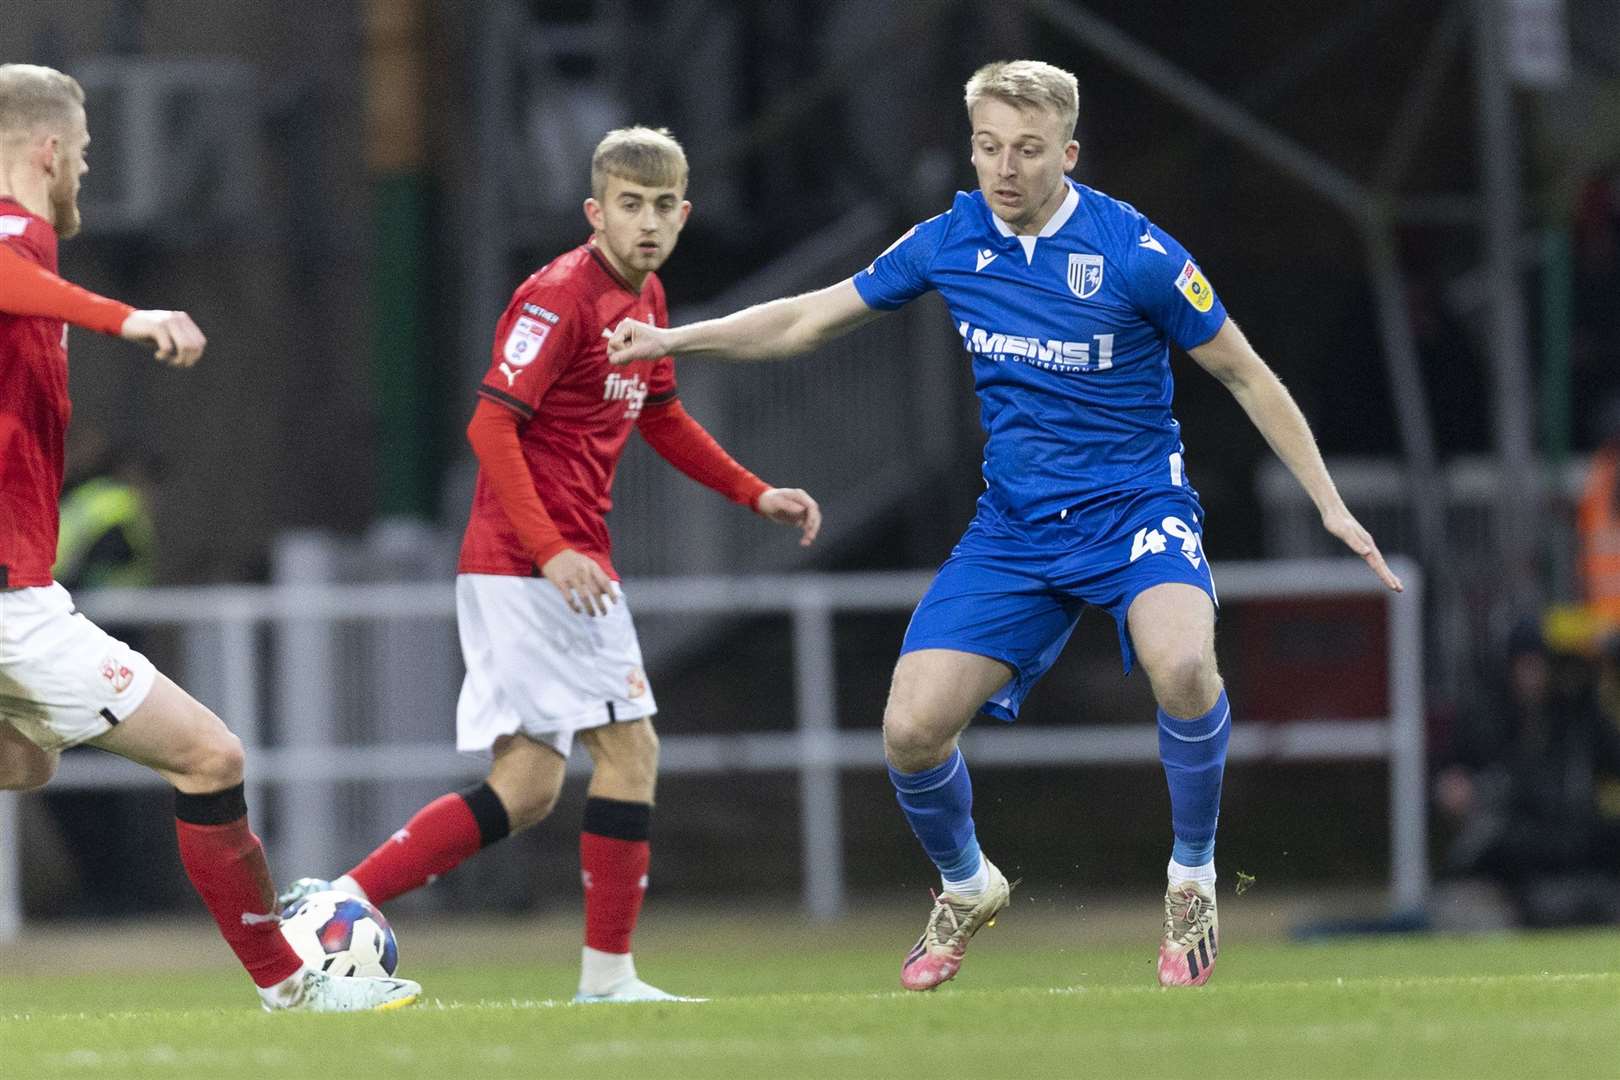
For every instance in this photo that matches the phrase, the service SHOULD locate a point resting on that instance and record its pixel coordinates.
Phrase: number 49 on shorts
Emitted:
(1152, 542)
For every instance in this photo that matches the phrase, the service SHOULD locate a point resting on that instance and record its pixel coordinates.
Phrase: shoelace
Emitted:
(943, 907)
(1192, 917)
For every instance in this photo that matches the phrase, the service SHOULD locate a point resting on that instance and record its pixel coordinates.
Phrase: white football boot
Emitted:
(307, 886)
(317, 992)
(631, 990)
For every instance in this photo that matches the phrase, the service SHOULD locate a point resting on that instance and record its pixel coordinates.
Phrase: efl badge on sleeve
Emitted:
(523, 343)
(1193, 286)
(1085, 275)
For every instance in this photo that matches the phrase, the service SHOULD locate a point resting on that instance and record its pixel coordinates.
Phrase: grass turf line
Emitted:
(1544, 1004)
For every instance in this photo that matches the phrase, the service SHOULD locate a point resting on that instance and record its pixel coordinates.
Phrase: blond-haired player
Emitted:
(1067, 302)
(550, 649)
(63, 680)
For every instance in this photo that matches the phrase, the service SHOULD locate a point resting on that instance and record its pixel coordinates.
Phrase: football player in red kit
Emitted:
(63, 680)
(550, 649)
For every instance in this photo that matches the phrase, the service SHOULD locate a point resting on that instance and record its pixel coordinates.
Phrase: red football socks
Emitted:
(613, 858)
(226, 864)
(442, 835)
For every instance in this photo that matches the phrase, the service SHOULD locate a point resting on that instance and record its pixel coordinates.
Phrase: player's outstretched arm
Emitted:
(1230, 358)
(768, 331)
(26, 288)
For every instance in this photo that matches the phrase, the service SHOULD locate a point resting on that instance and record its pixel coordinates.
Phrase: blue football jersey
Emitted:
(1069, 335)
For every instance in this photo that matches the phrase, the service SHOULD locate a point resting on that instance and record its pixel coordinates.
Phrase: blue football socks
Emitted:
(938, 803)
(1194, 756)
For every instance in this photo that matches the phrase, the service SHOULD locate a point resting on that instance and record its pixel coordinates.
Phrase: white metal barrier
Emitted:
(816, 750)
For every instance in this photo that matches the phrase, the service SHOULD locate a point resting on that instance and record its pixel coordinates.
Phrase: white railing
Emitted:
(225, 623)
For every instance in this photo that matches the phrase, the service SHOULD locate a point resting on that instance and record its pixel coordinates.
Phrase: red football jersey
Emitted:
(34, 411)
(550, 366)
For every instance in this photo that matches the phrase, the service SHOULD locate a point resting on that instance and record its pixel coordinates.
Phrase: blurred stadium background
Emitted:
(1413, 207)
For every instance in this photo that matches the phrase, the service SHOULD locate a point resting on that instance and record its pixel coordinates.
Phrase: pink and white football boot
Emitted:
(937, 956)
(1187, 953)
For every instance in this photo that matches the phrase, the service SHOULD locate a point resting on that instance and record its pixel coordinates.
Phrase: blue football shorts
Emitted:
(1013, 591)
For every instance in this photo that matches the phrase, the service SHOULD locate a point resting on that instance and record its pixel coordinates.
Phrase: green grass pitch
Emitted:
(793, 999)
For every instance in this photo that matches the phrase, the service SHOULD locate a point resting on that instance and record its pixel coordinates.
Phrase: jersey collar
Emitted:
(9, 204)
(607, 267)
(1059, 218)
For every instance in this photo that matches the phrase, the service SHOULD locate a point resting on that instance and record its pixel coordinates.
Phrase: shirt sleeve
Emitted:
(661, 388)
(533, 343)
(27, 288)
(684, 443)
(494, 438)
(900, 274)
(1170, 290)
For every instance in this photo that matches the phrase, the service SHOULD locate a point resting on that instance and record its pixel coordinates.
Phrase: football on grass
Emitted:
(340, 935)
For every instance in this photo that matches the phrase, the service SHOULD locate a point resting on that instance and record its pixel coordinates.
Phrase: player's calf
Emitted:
(624, 760)
(212, 761)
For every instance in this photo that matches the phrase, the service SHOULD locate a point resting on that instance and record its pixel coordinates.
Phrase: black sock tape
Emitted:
(618, 820)
(488, 810)
(215, 808)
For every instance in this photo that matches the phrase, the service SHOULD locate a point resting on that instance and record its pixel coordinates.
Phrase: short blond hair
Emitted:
(1027, 84)
(34, 97)
(641, 155)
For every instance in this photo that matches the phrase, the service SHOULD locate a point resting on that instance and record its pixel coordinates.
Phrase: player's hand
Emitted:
(632, 340)
(1341, 523)
(173, 336)
(792, 506)
(585, 587)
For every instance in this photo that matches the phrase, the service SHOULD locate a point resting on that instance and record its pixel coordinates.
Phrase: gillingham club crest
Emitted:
(1085, 275)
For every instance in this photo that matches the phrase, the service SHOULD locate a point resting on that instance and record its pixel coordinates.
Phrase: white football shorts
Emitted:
(63, 679)
(536, 668)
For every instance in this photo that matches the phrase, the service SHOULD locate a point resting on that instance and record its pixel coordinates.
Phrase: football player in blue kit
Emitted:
(1067, 302)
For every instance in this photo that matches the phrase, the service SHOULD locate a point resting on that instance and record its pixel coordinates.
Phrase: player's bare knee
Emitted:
(214, 761)
(910, 742)
(39, 771)
(224, 761)
(1186, 684)
(28, 772)
(624, 759)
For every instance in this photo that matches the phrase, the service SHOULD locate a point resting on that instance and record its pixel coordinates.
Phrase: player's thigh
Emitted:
(180, 738)
(1172, 627)
(23, 766)
(527, 776)
(625, 758)
(935, 693)
(991, 611)
(63, 679)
